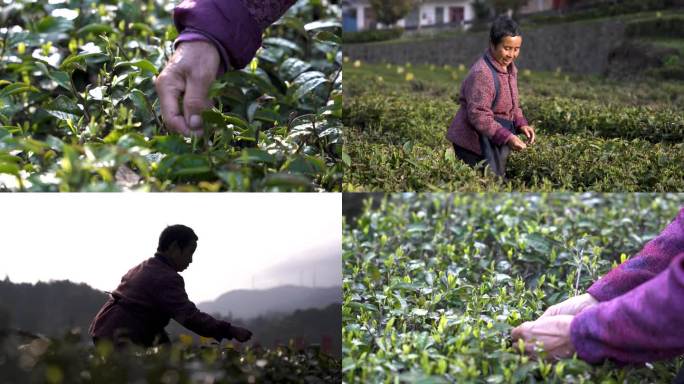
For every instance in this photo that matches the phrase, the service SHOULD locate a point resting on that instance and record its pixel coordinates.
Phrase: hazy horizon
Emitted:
(246, 241)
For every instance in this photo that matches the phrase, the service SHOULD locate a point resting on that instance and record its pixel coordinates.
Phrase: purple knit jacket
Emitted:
(149, 295)
(234, 26)
(476, 114)
(640, 316)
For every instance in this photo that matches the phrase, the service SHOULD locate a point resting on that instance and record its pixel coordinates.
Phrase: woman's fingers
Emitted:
(532, 134)
(189, 73)
(551, 311)
(553, 333)
(528, 130)
(194, 102)
(170, 85)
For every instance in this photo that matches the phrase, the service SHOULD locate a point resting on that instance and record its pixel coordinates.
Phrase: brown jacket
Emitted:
(149, 295)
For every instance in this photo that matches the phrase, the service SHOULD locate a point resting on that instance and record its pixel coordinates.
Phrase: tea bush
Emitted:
(593, 134)
(78, 109)
(372, 35)
(434, 283)
(65, 361)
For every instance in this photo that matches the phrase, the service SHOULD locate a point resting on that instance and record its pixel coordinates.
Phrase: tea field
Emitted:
(434, 283)
(65, 361)
(593, 134)
(79, 111)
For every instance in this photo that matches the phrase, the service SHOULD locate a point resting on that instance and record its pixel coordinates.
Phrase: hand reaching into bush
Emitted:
(552, 332)
(571, 306)
(240, 334)
(189, 72)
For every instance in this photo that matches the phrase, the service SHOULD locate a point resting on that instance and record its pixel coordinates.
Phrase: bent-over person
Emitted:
(489, 118)
(152, 293)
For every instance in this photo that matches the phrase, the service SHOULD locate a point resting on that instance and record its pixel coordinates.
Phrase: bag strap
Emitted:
(497, 84)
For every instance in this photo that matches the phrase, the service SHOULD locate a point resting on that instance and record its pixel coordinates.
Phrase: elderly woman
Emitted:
(486, 125)
(634, 314)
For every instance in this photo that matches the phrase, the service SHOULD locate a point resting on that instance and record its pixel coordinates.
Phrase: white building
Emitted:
(358, 15)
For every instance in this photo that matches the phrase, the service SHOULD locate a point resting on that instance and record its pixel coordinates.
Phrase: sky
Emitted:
(246, 240)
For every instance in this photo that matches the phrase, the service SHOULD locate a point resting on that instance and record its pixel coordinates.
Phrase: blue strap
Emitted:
(497, 85)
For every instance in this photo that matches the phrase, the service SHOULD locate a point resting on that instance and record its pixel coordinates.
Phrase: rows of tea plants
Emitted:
(434, 283)
(79, 112)
(593, 134)
(57, 361)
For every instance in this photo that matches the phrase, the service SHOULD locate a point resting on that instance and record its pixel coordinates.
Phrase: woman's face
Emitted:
(507, 50)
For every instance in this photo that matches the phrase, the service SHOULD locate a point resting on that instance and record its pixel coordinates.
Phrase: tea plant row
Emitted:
(433, 284)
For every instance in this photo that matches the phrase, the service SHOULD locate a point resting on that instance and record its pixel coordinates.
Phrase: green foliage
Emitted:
(79, 112)
(372, 35)
(434, 283)
(593, 134)
(604, 9)
(65, 361)
(389, 12)
(502, 6)
(658, 26)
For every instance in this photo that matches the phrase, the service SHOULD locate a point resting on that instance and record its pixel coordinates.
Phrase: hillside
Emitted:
(246, 304)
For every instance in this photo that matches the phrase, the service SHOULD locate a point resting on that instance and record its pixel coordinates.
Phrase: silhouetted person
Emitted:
(152, 293)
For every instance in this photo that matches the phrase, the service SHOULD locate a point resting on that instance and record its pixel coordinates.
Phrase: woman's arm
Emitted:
(650, 261)
(642, 325)
(215, 36)
(479, 92)
(233, 26)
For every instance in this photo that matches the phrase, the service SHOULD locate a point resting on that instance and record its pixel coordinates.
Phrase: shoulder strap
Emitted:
(497, 85)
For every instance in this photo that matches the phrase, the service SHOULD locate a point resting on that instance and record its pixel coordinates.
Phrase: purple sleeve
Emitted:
(650, 261)
(227, 23)
(266, 12)
(642, 325)
(479, 92)
(175, 301)
(234, 26)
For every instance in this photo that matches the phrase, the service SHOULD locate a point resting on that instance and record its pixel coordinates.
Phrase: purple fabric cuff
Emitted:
(227, 22)
(521, 122)
(190, 34)
(501, 136)
(596, 290)
(642, 325)
(587, 349)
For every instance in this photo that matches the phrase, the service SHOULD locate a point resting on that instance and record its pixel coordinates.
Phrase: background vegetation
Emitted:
(48, 341)
(434, 283)
(594, 133)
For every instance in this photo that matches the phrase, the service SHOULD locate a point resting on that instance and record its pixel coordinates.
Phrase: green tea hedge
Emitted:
(434, 283)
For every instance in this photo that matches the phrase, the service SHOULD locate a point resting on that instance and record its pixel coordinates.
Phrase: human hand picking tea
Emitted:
(633, 314)
(551, 332)
(209, 43)
(188, 75)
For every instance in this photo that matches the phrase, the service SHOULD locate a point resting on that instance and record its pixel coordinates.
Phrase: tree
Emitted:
(502, 6)
(389, 12)
(482, 10)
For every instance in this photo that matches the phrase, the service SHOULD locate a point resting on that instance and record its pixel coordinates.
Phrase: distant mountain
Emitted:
(247, 304)
(277, 315)
(51, 308)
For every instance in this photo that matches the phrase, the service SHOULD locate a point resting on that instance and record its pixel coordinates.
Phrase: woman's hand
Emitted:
(240, 334)
(552, 332)
(528, 131)
(515, 143)
(189, 72)
(571, 306)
